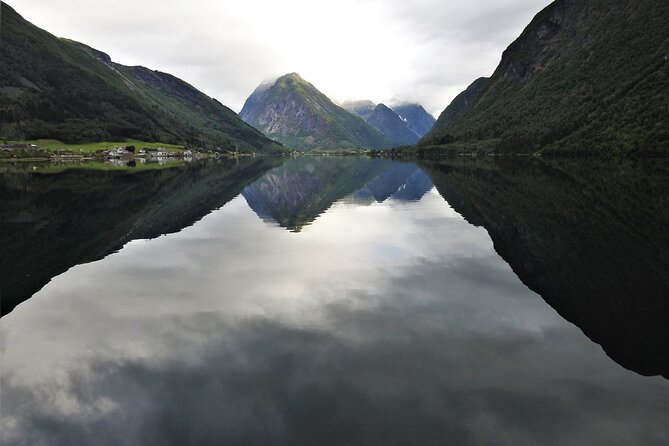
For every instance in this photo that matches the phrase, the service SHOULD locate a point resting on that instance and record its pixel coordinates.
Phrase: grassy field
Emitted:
(52, 144)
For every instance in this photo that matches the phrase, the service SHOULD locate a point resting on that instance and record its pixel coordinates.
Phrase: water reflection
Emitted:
(590, 237)
(387, 321)
(56, 218)
(296, 193)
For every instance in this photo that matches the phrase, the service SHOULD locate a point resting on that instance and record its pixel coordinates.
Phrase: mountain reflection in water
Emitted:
(296, 193)
(53, 221)
(369, 310)
(590, 237)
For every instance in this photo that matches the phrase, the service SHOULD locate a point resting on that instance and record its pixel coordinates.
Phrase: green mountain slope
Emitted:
(293, 111)
(461, 101)
(59, 89)
(584, 76)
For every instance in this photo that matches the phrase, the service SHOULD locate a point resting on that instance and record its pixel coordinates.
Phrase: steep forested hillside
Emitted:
(55, 88)
(584, 76)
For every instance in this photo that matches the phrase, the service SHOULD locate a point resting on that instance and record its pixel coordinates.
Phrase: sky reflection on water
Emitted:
(378, 323)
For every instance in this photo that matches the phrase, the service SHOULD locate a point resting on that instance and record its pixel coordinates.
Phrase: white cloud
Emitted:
(387, 51)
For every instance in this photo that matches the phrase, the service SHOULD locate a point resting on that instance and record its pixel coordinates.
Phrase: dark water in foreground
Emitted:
(337, 301)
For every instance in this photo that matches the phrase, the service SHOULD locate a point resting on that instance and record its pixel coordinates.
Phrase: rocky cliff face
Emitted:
(293, 111)
(531, 50)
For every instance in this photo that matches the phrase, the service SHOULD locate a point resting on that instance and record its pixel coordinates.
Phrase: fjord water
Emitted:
(337, 301)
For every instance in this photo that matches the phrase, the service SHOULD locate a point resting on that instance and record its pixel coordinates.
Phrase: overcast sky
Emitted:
(388, 51)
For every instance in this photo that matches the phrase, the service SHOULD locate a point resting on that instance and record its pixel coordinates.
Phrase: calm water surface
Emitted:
(320, 301)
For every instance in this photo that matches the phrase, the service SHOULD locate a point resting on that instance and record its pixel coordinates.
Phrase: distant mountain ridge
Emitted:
(294, 112)
(402, 127)
(391, 125)
(56, 88)
(416, 118)
(583, 77)
(363, 108)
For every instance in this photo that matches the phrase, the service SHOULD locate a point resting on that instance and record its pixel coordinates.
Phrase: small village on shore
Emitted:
(118, 155)
(130, 152)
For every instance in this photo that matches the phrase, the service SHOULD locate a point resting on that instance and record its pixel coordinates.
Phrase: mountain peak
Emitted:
(416, 118)
(296, 113)
(290, 77)
(391, 125)
(402, 124)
